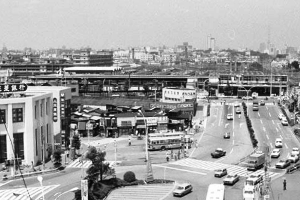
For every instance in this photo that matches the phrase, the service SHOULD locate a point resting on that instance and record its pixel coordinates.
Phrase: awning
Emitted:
(141, 126)
(86, 115)
(77, 113)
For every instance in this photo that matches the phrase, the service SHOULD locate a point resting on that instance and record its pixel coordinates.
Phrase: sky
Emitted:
(106, 24)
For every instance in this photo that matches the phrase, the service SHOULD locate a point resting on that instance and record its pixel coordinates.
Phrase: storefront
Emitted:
(162, 123)
(140, 127)
(125, 128)
(151, 124)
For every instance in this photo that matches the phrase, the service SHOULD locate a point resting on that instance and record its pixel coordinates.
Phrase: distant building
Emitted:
(101, 58)
(262, 47)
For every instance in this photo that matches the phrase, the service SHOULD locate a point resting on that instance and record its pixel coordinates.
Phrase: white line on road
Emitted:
(258, 114)
(261, 121)
(267, 108)
(212, 124)
(231, 151)
(5, 183)
(270, 114)
(232, 142)
(232, 133)
(180, 169)
(267, 137)
(226, 125)
(264, 128)
(273, 121)
(277, 130)
(220, 159)
(198, 141)
(241, 125)
(281, 136)
(286, 145)
(271, 145)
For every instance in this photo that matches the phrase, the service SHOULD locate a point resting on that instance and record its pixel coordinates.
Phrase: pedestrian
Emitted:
(284, 184)
(172, 154)
(129, 142)
(178, 154)
(167, 156)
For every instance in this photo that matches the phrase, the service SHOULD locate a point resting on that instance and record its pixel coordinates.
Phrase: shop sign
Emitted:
(126, 123)
(54, 109)
(172, 106)
(151, 121)
(62, 105)
(13, 87)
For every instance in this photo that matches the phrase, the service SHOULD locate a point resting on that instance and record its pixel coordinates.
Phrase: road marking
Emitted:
(232, 142)
(5, 183)
(261, 121)
(286, 146)
(212, 124)
(233, 133)
(219, 160)
(271, 145)
(267, 108)
(226, 125)
(220, 117)
(231, 151)
(264, 128)
(241, 125)
(267, 137)
(273, 121)
(185, 170)
(277, 129)
(270, 114)
(258, 114)
(281, 136)
(198, 141)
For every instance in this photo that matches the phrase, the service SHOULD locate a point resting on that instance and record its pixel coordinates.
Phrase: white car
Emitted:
(295, 151)
(293, 158)
(284, 122)
(236, 104)
(254, 179)
(278, 143)
(275, 153)
(182, 189)
(247, 98)
(280, 116)
(231, 179)
(229, 116)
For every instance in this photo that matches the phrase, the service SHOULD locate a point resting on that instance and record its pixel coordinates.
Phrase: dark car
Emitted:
(227, 135)
(182, 189)
(218, 153)
(262, 103)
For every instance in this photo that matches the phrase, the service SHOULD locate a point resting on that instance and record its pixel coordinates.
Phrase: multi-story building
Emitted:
(32, 121)
(101, 58)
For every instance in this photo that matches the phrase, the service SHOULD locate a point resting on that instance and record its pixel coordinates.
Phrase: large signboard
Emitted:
(13, 87)
(62, 105)
(172, 105)
(54, 109)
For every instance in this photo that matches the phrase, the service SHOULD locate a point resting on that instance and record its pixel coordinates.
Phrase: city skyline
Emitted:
(122, 24)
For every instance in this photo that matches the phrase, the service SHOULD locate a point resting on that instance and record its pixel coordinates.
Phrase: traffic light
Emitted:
(76, 142)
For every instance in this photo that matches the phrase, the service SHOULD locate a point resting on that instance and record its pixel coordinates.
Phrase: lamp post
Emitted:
(146, 135)
(247, 96)
(71, 190)
(40, 179)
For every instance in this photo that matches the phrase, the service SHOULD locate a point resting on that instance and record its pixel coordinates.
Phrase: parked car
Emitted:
(247, 98)
(278, 143)
(238, 110)
(254, 179)
(284, 122)
(295, 151)
(220, 172)
(230, 116)
(231, 179)
(275, 153)
(236, 104)
(227, 135)
(218, 153)
(262, 102)
(182, 189)
(283, 164)
(293, 158)
(280, 116)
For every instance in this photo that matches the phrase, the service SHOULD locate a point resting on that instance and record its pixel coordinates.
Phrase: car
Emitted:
(230, 116)
(295, 151)
(231, 179)
(247, 98)
(284, 122)
(283, 164)
(278, 143)
(238, 110)
(275, 153)
(182, 189)
(236, 104)
(254, 179)
(293, 158)
(218, 153)
(227, 135)
(262, 102)
(220, 172)
(280, 116)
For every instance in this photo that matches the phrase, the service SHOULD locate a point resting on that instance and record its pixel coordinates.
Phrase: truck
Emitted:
(255, 105)
(256, 161)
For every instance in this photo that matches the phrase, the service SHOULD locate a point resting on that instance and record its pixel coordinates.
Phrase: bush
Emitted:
(129, 177)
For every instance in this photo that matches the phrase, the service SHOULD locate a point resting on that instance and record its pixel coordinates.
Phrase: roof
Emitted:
(127, 114)
(70, 69)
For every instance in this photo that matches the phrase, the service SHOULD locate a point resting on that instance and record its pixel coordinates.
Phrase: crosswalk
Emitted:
(21, 193)
(86, 163)
(145, 192)
(211, 166)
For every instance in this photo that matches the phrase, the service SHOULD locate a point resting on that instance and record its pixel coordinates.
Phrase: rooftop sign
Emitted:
(18, 87)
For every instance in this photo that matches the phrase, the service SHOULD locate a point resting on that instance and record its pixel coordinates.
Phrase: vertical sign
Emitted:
(62, 105)
(54, 109)
(84, 190)
(149, 177)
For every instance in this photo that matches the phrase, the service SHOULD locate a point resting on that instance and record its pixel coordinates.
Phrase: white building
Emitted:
(177, 95)
(32, 122)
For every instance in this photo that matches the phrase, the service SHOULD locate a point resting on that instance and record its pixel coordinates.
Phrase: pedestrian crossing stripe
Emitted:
(86, 163)
(21, 193)
(145, 192)
(211, 166)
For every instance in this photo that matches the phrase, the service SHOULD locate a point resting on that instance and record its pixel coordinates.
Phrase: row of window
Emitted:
(172, 99)
(17, 115)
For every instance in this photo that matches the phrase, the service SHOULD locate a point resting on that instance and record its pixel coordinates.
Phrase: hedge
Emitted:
(249, 126)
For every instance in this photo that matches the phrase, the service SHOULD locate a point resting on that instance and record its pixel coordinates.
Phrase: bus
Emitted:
(163, 143)
(215, 192)
(166, 134)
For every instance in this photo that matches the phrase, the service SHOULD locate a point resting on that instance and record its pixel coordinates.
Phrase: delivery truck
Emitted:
(256, 161)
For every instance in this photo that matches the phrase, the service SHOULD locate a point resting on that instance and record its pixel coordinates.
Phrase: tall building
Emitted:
(212, 43)
(208, 42)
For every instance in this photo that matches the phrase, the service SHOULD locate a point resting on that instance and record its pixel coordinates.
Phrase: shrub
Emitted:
(129, 177)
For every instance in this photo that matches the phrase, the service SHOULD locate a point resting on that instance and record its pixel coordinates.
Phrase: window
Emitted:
(17, 114)
(19, 145)
(35, 112)
(47, 104)
(47, 132)
(2, 116)
(36, 142)
(3, 150)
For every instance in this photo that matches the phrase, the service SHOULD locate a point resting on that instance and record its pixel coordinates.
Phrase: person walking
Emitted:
(129, 142)
(284, 184)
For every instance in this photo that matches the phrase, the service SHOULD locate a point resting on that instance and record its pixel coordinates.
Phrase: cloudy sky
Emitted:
(100, 24)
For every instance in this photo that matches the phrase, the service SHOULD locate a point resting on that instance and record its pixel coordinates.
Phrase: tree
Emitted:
(57, 158)
(126, 86)
(99, 167)
(146, 88)
(295, 65)
(76, 142)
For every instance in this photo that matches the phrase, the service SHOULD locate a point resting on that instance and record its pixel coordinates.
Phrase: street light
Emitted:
(40, 179)
(146, 135)
(71, 190)
(247, 96)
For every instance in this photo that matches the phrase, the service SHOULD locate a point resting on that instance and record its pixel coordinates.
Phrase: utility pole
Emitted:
(267, 180)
